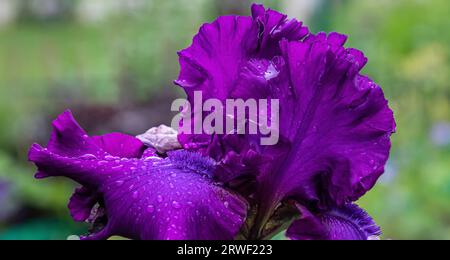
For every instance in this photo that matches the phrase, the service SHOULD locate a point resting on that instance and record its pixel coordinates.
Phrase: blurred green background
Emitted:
(113, 61)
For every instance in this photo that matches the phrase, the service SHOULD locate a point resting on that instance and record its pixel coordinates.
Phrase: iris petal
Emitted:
(345, 223)
(81, 203)
(120, 145)
(213, 63)
(143, 196)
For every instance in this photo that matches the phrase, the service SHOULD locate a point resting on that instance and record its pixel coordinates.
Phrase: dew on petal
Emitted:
(88, 156)
(176, 204)
(150, 209)
(110, 158)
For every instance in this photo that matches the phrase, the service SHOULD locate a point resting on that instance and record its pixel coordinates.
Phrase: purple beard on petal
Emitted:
(139, 195)
(335, 124)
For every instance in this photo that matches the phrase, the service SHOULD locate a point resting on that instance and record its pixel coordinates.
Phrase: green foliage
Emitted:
(42, 229)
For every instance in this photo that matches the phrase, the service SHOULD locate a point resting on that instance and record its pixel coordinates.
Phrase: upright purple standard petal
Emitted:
(274, 26)
(345, 223)
(213, 63)
(138, 194)
(335, 124)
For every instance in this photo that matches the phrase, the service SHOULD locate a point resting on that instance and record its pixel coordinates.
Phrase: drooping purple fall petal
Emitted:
(143, 196)
(346, 223)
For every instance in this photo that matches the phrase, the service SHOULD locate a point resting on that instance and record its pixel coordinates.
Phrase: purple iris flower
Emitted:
(335, 127)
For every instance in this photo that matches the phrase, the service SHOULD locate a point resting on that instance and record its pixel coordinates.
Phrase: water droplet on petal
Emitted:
(159, 198)
(135, 195)
(176, 204)
(271, 72)
(150, 208)
(88, 156)
(119, 183)
(110, 158)
(226, 204)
